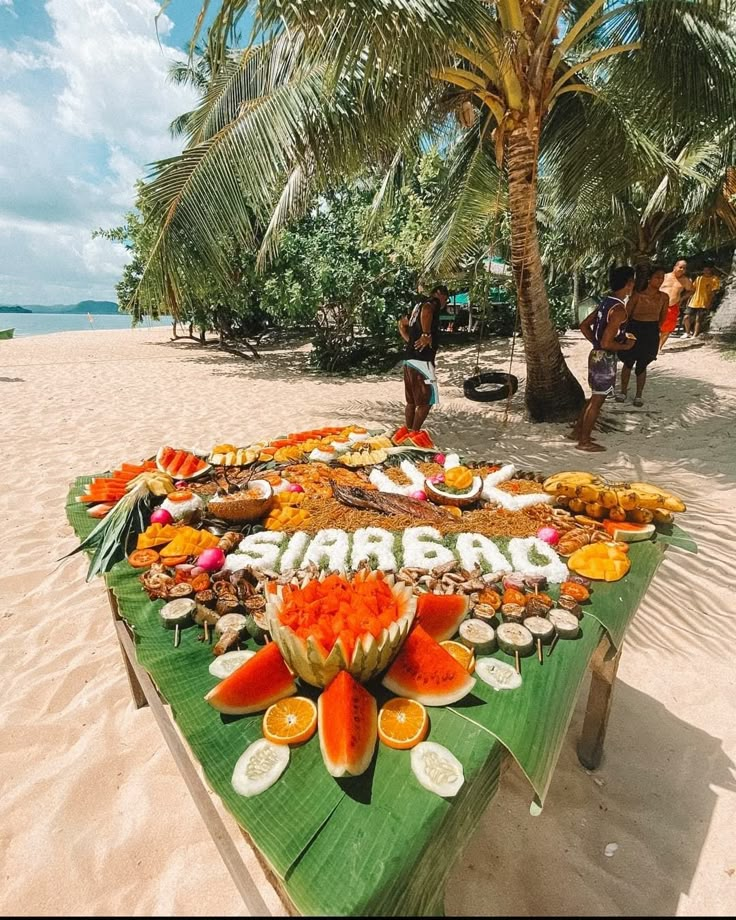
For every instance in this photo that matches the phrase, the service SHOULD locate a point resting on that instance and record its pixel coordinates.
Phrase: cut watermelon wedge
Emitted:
(425, 672)
(180, 464)
(263, 679)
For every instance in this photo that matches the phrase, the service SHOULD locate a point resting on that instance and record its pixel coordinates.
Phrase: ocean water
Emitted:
(45, 323)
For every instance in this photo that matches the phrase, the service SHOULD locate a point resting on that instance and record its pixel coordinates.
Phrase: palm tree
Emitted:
(328, 87)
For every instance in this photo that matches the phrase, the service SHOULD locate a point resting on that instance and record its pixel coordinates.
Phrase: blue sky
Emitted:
(84, 105)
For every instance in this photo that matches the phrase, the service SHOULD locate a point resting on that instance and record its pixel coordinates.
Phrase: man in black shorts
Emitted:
(420, 331)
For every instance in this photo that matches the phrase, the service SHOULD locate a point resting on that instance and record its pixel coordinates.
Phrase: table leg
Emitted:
(140, 679)
(139, 697)
(604, 666)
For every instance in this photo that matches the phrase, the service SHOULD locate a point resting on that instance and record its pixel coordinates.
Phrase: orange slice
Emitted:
(402, 723)
(290, 721)
(461, 653)
(142, 558)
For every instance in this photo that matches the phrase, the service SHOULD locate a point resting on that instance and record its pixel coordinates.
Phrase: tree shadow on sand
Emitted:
(654, 796)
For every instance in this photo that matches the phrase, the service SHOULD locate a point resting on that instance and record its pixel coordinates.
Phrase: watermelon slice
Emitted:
(625, 532)
(180, 464)
(263, 679)
(347, 718)
(425, 672)
(440, 615)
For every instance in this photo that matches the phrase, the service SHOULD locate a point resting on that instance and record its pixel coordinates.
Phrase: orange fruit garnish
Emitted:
(290, 721)
(461, 653)
(180, 495)
(573, 589)
(142, 558)
(402, 723)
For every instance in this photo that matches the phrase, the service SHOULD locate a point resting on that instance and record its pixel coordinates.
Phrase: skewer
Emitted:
(554, 643)
(539, 651)
(177, 635)
(206, 632)
(517, 662)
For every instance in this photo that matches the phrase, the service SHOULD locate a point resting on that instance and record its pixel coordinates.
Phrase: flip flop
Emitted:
(638, 401)
(591, 447)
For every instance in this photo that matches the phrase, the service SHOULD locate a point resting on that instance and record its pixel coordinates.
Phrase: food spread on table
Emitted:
(346, 584)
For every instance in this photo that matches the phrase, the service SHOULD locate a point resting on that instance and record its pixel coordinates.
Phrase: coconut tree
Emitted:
(352, 82)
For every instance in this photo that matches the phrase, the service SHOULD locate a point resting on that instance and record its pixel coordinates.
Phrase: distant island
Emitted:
(95, 307)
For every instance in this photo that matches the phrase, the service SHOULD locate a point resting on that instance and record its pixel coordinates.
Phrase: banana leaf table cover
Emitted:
(379, 844)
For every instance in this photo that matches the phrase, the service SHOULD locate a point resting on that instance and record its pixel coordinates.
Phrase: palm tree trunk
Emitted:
(724, 319)
(552, 393)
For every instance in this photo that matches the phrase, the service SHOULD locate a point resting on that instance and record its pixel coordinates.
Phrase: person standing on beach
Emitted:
(704, 289)
(647, 310)
(420, 331)
(675, 285)
(605, 329)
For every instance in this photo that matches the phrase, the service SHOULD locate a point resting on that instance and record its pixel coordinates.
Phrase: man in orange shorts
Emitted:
(675, 285)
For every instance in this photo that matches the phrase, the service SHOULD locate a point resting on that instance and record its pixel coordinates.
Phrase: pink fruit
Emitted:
(211, 559)
(438, 477)
(548, 535)
(294, 487)
(440, 458)
(181, 484)
(418, 496)
(161, 516)
(196, 570)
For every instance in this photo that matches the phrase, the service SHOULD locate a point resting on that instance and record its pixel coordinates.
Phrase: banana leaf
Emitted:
(378, 844)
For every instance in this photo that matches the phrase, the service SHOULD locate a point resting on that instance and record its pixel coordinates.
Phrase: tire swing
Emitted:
(490, 387)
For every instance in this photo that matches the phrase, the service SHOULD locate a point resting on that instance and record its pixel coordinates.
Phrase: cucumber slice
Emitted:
(259, 767)
(497, 674)
(437, 769)
(224, 665)
(177, 613)
(478, 636)
(564, 622)
(513, 637)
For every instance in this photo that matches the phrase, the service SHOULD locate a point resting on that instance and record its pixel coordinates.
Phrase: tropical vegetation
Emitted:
(599, 121)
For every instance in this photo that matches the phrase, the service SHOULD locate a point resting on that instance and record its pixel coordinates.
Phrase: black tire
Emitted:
(506, 386)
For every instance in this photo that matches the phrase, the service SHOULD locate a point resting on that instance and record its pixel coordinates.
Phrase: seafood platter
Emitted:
(328, 567)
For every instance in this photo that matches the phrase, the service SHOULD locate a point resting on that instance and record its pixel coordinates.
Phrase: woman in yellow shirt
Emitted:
(705, 287)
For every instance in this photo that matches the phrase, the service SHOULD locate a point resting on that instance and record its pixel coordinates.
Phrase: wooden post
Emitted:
(244, 881)
(604, 665)
(139, 697)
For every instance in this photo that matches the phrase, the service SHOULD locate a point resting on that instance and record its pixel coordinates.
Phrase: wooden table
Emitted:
(603, 665)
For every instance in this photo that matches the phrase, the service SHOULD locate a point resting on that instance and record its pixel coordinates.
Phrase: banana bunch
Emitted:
(638, 502)
(228, 455)
(364, 458)
(155, 481)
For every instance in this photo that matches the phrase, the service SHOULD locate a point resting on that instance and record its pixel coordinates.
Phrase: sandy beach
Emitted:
(94, 818)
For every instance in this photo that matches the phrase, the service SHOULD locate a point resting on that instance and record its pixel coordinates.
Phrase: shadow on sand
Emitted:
(653, 796)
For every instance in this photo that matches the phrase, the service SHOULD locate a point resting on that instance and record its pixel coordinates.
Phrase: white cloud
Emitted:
(75, 267)
(83, 114)
(7, 5)
(111, 90)
(13, 61)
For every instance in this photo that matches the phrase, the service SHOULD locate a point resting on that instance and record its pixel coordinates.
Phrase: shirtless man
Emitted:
(675, 285)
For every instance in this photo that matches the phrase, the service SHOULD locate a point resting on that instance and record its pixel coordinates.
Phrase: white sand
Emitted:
(94, 818)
